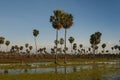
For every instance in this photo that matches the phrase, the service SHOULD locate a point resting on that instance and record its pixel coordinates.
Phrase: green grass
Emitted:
(52, 60)
(60, 63)
(85, 74)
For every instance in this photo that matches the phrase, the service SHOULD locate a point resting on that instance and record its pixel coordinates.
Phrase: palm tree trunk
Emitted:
(35, 44)
(7, 49)
(71, 48)
(61, 49)
(93, 51)
(56, 46)
(0, 48)
(65, 46)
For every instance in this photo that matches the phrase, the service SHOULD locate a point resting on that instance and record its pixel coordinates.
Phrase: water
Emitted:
(65, 69)
(60, 69)
(112, 76)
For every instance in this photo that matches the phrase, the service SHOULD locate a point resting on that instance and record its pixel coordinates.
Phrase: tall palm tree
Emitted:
(35, 34)
(56, 23)
(95, 40)
(71, 40)
(7, 43)
(1, 41)
(61, 42)
(67, 22)
(103, 46)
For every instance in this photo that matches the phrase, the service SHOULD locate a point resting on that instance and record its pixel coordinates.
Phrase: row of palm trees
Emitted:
(71, 39)
(77, 51)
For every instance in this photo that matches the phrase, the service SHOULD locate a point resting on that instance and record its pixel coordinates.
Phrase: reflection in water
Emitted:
(65, 71)
(74, 69)
(60, 69)
(56, 71)
(5, 71)
(25, 70)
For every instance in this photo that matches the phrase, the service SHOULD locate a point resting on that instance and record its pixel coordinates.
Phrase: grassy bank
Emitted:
(71, 62)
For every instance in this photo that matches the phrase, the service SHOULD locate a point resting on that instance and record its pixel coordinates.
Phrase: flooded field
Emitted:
(72, 67)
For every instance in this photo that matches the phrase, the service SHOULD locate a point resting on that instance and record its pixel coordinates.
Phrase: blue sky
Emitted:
(18, 18)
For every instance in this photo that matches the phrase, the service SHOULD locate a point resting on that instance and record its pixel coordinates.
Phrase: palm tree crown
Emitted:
(35, 32)
(2, 40)
(71, 39)
(7, 43)
(61, 41)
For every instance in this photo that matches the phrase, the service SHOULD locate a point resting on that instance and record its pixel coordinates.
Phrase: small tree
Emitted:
(95, 40)
(61, 42)
(7, 44)
(21, 48)
(71, 40)
(30, 47)
(81, 46)
(1, 41)
(75, 47)
(103, 46)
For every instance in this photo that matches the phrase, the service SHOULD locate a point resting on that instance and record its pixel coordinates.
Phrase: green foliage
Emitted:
(7, 43)
(35, 32)
(71, 39)
(95, 40)
(56, 19)
(103, 45)
(61, 41)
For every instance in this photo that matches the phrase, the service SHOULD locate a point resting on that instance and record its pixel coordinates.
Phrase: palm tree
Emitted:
(12, 49)
(95, 40)
(21, 48)
(119, 49)
(61, 42)
(116, 47)
(7, 44)
(67, 23)
(56, 42)
(30, 47)
(17, 48)
(56, 23)
(103, 46)
(1, 41)
(119, 41)
(112, 48)
(26, 45)
(35, 34)
(89, 49)
(75, 47)
(71, 40)
(81, 46)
